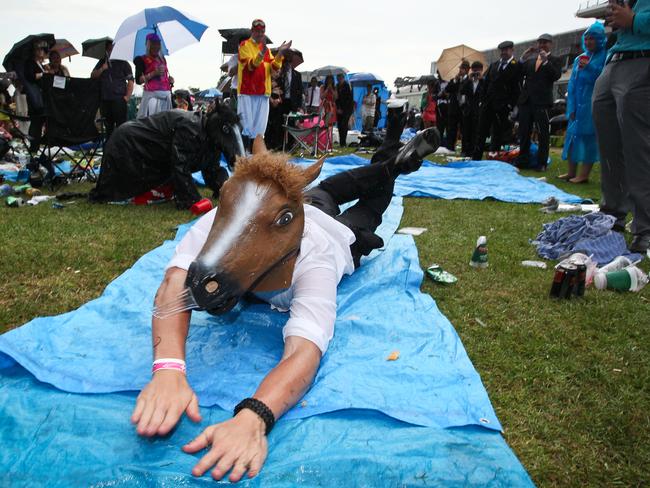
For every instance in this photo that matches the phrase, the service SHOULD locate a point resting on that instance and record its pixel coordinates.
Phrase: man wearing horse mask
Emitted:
(227, 255)
(166, 148)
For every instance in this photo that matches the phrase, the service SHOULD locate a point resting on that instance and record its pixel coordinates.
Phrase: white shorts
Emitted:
(253, 110)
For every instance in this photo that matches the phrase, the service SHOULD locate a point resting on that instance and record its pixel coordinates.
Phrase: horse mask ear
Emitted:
(312, 172)
(259, 147)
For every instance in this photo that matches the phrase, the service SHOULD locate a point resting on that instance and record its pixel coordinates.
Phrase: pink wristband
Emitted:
(168, 363)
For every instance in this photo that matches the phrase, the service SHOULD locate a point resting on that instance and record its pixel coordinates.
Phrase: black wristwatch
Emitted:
(260, 409)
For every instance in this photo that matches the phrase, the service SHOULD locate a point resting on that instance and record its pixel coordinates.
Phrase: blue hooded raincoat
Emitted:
(580, 145)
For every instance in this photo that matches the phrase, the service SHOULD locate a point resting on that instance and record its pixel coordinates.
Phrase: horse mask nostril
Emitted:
(211, 286)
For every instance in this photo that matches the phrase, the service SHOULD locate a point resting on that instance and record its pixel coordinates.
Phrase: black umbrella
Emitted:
(24, 50)
(95, 48)
(233, 37)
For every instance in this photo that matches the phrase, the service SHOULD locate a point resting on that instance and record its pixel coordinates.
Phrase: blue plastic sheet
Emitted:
(66, 439)
(471, 180)
(57, 439)
(105, 345)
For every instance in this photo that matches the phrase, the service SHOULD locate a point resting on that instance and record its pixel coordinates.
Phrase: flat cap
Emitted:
(545, 37)
(506, 45)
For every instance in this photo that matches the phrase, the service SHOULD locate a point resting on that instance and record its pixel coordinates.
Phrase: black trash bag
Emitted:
(167, 148)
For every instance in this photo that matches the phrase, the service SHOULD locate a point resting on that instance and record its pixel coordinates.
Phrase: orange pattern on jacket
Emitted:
(255, 76)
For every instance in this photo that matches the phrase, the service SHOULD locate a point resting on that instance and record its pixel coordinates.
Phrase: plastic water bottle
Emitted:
(480, 254)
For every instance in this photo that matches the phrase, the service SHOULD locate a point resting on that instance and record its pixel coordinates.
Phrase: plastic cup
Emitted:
(201, 207)
(622, 280)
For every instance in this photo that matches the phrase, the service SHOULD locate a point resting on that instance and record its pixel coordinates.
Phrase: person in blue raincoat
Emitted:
(581, 145)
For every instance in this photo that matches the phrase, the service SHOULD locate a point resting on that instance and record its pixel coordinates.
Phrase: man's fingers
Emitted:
(137, 411)
(223, 466)
(255, 465)
(203, 440)
(237, 472)
(192, 410)
(146, 416)
(170, 420)
(206, 462)
(156, 419)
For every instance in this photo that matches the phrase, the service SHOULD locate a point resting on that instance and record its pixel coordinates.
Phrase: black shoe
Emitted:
(409, 158)
(640, 244)
(619, 228)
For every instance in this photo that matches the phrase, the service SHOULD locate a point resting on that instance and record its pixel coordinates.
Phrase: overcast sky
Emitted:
(388, 38)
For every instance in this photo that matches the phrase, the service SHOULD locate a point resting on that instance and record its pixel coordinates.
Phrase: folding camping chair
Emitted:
(71, 106)
(299, 135)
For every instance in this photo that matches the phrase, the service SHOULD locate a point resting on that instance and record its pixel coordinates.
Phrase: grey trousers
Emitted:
(621, 110)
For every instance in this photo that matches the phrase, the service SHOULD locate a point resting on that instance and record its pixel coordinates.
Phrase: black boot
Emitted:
(409, 158)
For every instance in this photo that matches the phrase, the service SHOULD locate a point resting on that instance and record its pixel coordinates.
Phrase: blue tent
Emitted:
(359, 87)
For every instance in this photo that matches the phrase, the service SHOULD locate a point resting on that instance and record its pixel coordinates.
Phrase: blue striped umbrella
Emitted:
(175, 29)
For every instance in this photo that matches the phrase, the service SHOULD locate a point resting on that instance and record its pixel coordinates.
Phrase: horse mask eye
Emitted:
(284, 219)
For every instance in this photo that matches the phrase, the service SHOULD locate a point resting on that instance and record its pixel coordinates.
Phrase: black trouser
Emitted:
(470, 131)
(453, 123)
(530, 115)
(441, 120)
(372, 185)
(274, 134)
(114, 113)
(342, 121)
(492, 122)
(35, 132)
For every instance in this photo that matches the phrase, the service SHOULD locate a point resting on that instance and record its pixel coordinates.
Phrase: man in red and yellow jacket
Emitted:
(254, 73)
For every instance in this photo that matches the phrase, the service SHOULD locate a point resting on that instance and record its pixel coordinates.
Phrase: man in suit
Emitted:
(540, 71)
(344, 107)
(454, 115)
(470, 93)
(291, 84)
(499, 96)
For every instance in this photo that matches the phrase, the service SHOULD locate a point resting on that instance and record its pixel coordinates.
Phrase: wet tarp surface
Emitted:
(425, 416)
(471, 180)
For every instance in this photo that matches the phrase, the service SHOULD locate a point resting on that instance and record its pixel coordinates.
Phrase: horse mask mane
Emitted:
(256, 233)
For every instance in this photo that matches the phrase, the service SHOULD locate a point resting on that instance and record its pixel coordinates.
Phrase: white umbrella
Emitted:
(176, 30)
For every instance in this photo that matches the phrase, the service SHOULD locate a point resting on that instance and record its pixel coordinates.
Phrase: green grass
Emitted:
(569, 380)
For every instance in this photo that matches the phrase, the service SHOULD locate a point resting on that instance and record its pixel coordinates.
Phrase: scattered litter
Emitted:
(541, 178)
(412, 231)
(39, 199)
(58, 206)
(15, 202)
(480, 255)
(553, 205)
(627, 279)
(616, 370)
(439, 275)
(480, 322)
(393, 356)
(534, 264)
(76, 271)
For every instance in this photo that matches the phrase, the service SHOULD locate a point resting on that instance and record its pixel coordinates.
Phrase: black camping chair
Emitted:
(71, 132)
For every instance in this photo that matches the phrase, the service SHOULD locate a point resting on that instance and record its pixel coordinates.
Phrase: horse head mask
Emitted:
(256, 233)
(224, 132)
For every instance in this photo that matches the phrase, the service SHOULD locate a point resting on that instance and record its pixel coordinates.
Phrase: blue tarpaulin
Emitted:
(358, 421)
(359, 90)
(471, 180)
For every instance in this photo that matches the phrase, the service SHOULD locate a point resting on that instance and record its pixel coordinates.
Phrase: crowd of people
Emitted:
(506, 102)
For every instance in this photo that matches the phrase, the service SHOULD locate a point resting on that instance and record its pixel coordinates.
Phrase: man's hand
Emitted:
(543, 55)
(620, 16)
(284, 47)
(582, 62)
(238, 444)
(162, 402)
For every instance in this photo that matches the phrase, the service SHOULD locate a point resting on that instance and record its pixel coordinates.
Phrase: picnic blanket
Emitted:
(363, 407)
(471, 180)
